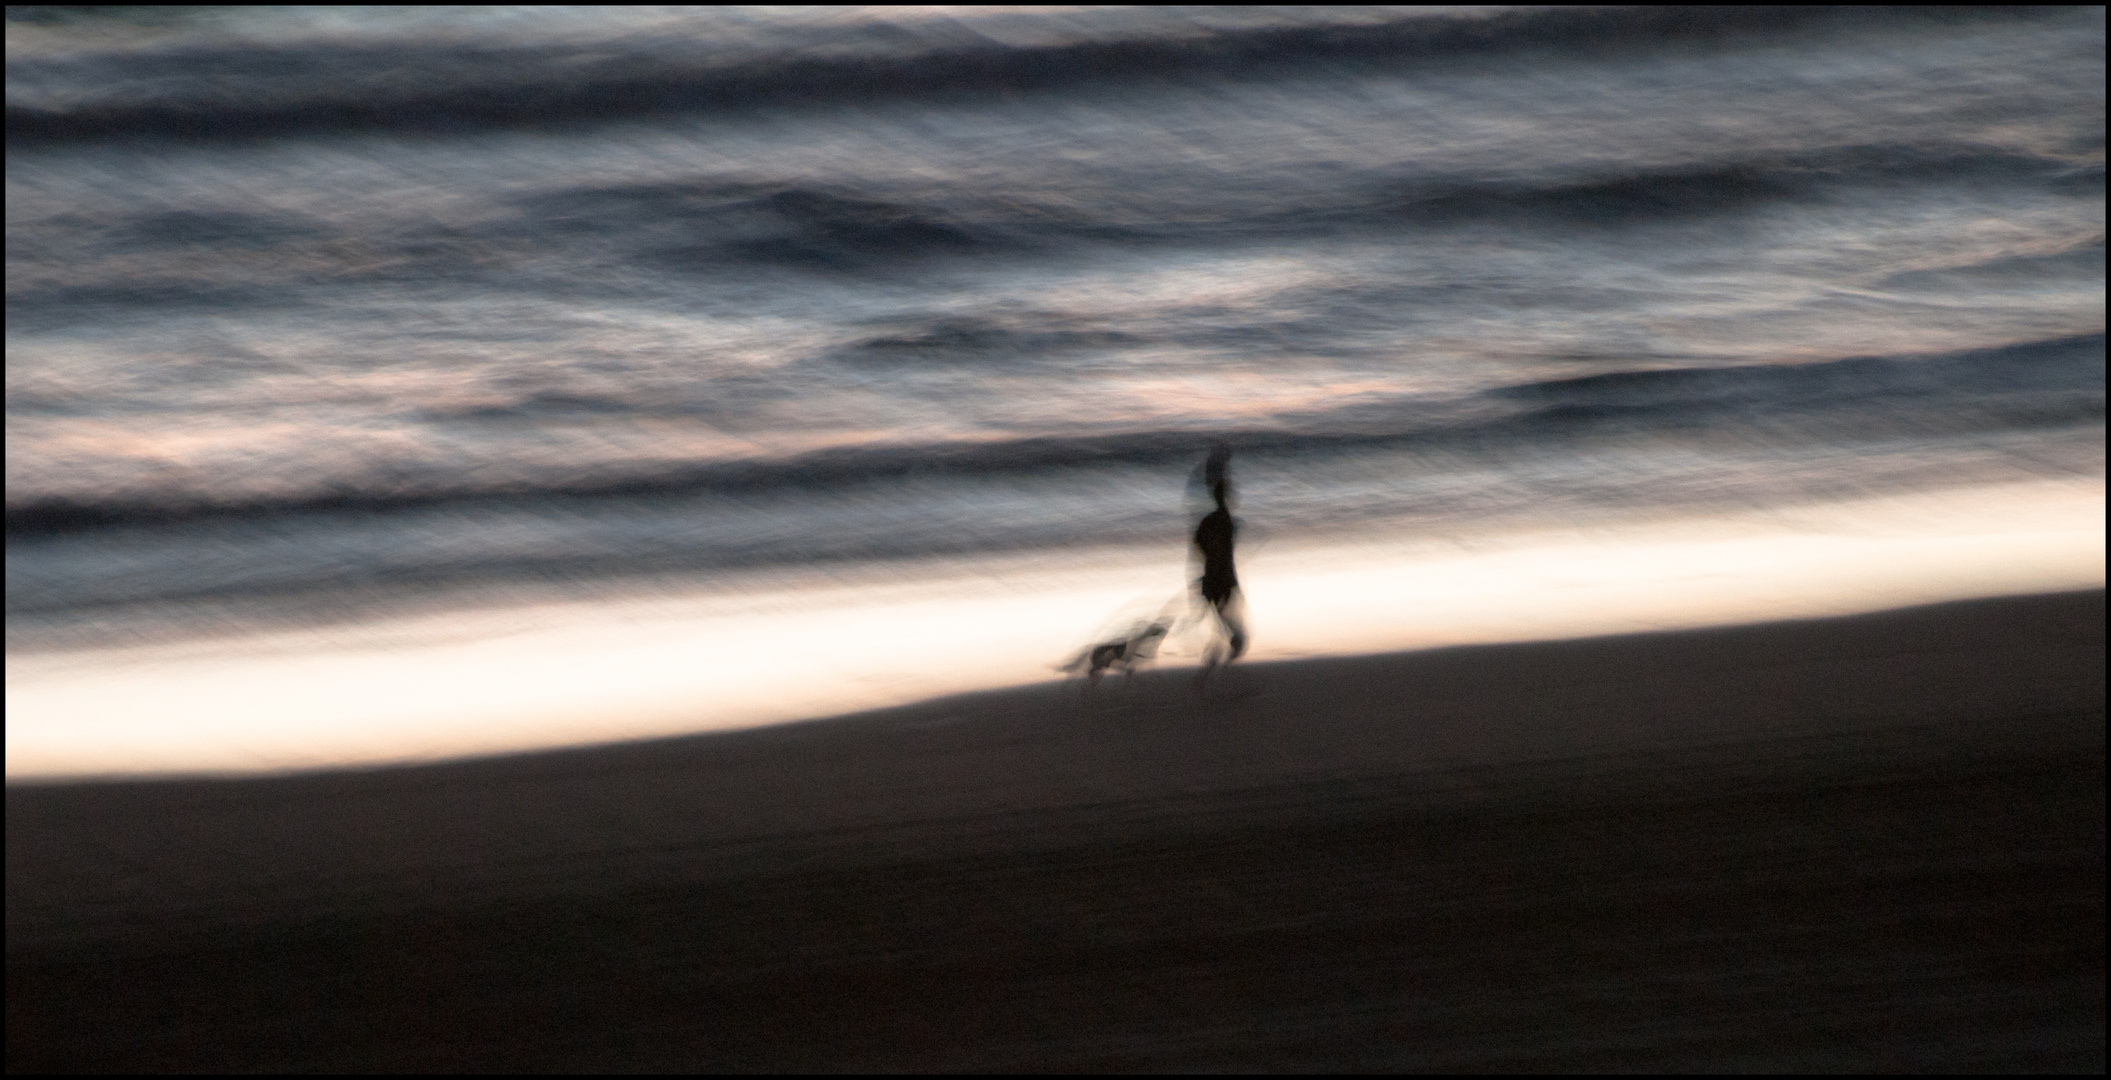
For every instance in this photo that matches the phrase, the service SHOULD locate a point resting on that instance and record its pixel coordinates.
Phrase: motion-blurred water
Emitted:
(310, 304)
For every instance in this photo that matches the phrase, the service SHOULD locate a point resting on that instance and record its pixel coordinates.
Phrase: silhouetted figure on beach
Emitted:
(1219, 584)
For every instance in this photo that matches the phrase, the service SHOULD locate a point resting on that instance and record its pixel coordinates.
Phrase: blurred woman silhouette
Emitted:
(1219, 583)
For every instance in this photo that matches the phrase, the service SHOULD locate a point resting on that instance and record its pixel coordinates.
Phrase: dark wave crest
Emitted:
(1725, 187)
(709, 226)
(802, 228)
(810, 227)
(2064, 365)
(2035, 385)
(205, 93)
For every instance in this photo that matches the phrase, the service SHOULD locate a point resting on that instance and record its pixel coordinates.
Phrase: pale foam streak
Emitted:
(526, 678)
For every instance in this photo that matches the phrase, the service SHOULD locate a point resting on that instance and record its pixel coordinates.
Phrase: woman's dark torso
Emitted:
(1213, 537)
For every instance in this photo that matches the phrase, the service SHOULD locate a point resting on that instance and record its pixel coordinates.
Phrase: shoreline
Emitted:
(695, 656)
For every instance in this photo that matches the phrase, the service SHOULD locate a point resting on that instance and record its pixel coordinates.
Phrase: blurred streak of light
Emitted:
(588, 672)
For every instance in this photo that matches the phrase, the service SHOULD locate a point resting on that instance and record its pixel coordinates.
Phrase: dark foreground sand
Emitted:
(1867, 843)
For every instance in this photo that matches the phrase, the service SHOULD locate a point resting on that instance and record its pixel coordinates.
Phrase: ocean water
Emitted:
(316, 312)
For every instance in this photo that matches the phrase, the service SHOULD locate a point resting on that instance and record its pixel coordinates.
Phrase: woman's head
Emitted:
(1216, 474)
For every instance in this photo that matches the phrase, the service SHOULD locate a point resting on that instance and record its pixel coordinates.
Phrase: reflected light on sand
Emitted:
(588, 672)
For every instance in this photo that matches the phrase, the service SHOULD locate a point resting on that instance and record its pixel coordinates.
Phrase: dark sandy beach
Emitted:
(1871, 843)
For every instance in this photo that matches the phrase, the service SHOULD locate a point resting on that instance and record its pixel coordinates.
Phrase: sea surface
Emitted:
(324, 310)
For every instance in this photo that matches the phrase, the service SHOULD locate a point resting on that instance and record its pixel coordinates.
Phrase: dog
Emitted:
(1140, 644)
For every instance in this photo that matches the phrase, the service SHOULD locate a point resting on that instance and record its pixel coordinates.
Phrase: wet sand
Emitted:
(1847, 844)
